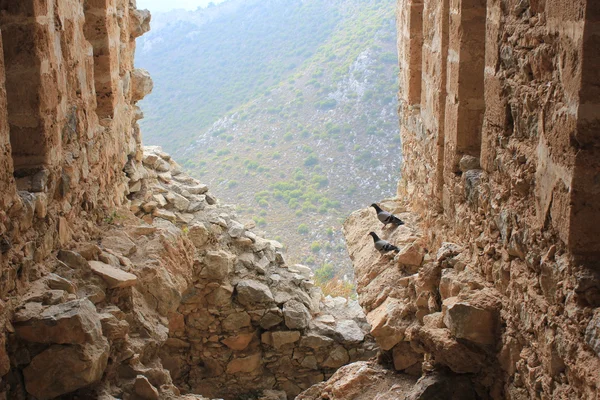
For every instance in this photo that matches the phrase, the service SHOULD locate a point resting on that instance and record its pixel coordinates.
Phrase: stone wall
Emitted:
(66, 152)
(499, 128)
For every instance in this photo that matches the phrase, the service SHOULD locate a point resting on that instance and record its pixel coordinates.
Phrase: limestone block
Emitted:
(141, 84)
(197, 205)
(160, 200)
(217, 265)
(411, 255)
(220, 296)
(236, 229)
(236, 321)
(178, 201)
(337, 357)
(114, 277)
(251, 293)
(198, 234)
(303, 270)
(73, 322)
(470, 322)
(119, 242)
(56, 282)
(149, 206)
(245, 364)
(164, 214)
(161, 165)
(200, 320)
(144, 388)
(271, 319)
(112, 327)
(64, 231)
(310, 362)
(197, 189)
(315, 341)
(404, 356)
(349, 332)
(210, 199)
(296, 315)
(383, 321)
(63, 369)
(448, 351)
(281, 338)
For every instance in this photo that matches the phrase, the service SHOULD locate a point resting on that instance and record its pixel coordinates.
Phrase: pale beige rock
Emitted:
(141, 84)
(386, 323)
(217, 265)
(410, 255)
(119, 242)
(468, 321)
(114, 277)
(198, 234)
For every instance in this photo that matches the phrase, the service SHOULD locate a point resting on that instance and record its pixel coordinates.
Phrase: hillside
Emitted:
(286, 108)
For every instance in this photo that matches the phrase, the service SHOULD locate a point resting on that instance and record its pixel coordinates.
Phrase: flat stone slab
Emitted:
(114, 277)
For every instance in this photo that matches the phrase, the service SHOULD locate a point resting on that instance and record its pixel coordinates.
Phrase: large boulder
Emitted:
(74, 322)
(62, 369)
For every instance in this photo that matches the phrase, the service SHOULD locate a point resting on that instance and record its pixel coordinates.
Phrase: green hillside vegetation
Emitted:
(289, 112)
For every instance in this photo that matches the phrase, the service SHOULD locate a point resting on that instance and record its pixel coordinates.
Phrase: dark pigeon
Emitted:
(382, 245)
(386, 217)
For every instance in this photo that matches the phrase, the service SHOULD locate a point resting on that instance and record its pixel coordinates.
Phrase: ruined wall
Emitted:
(67, 153)
(61, 154)
(500, 140)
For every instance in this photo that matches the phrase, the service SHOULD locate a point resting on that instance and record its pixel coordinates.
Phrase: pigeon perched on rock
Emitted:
(382, 245)
(386, 217)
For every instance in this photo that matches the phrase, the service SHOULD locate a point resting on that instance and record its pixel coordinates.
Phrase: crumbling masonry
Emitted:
(498, 279)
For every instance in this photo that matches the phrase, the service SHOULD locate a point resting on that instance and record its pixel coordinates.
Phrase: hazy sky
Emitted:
(166, 5)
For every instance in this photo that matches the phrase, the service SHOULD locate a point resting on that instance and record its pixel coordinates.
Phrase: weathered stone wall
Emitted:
(66, 152)
(501, 156)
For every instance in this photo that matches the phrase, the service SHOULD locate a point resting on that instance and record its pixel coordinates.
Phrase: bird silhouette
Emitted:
(383, 246)
(386, 217)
